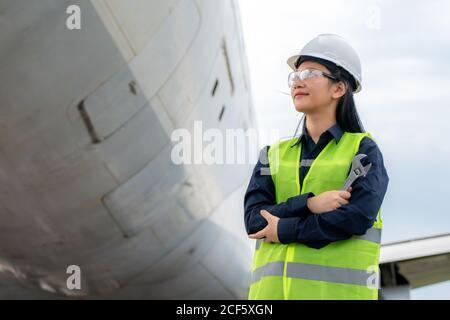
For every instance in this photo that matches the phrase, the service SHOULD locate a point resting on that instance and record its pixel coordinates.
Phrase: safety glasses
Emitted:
(307, 74)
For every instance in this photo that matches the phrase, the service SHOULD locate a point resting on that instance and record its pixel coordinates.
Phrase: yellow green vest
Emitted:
(346, 269)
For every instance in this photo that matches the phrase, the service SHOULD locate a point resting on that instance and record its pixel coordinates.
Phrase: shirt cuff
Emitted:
(297, 206)
(301, 200)
(286, 230)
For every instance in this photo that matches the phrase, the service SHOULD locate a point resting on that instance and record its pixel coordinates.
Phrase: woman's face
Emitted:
(313, 94)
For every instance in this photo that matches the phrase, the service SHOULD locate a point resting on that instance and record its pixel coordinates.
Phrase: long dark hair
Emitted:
(346, 114)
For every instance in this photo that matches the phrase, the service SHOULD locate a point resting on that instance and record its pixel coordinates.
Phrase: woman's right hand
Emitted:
(328, 201)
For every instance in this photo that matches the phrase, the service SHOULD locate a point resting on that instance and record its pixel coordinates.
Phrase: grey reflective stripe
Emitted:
(328, 274)
(315, 272)
(258, 244)
(270, 269)
(372, 235)
(306, 162)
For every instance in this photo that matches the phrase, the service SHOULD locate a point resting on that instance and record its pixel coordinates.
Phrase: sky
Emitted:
(404, 49)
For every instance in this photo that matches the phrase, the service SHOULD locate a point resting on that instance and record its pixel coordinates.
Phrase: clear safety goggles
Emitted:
(307, 74)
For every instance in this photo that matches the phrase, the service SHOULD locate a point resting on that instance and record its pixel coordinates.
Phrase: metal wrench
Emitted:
(357, 171)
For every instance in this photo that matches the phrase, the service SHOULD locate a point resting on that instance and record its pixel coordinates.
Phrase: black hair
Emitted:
(346, 114)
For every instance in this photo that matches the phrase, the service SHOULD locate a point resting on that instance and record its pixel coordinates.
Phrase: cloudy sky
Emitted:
(404, 48)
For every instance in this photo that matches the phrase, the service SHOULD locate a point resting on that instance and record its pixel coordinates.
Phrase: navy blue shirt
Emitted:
(297, 223)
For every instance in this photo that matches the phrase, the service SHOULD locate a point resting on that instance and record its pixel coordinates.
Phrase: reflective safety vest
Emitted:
(345, 269)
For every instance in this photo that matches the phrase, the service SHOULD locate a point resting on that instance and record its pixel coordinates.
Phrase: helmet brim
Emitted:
(292, 60)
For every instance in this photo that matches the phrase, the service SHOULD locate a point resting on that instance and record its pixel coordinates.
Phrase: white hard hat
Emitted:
(335, 49)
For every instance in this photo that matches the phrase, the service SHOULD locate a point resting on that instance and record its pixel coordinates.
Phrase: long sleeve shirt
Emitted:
(297, 223)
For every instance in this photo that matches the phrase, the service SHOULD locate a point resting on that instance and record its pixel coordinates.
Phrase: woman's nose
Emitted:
(297, 84)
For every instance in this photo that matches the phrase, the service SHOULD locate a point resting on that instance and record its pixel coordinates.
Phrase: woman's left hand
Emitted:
(270, 232)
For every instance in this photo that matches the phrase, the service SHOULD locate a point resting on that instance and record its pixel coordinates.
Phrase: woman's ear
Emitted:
(339, 89)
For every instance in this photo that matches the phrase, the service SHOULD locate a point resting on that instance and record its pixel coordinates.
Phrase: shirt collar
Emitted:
(336, 131)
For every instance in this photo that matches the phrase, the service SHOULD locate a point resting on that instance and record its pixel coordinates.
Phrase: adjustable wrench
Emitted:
(357, 171)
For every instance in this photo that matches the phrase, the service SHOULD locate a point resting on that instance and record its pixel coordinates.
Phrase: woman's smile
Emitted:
(300, 95)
